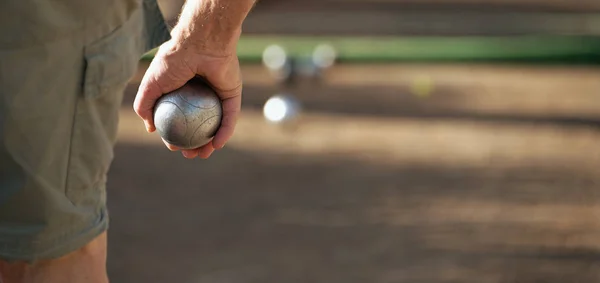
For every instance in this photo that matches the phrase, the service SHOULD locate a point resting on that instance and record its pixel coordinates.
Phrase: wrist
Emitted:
(209, 41)
(211, 26)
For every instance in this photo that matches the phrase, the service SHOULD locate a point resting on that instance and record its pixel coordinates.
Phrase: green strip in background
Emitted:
(533, 49)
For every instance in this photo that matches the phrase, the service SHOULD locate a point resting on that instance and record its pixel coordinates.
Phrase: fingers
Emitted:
(231, 112)
(145, 99)
(190, 154)
(166, 73)
(170, 146)
(228, 84)
(206, 151)
(171, 69)
(203, 152)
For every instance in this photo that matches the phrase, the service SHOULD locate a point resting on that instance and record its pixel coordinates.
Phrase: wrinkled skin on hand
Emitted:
(177, 62)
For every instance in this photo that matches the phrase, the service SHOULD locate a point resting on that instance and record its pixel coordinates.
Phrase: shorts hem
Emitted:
(60, 247)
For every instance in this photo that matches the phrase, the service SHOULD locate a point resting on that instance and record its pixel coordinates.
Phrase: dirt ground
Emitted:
(493, 177)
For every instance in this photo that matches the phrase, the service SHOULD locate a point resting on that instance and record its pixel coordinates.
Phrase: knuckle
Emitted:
(137, 108)
(233, 92)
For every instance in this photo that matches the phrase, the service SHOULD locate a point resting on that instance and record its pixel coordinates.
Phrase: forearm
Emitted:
(212, 25)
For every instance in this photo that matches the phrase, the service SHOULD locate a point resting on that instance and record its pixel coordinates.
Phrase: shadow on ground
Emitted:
(508, 204)
(262, 217)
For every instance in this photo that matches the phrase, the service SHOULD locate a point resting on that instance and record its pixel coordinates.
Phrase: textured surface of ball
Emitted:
(190, 116)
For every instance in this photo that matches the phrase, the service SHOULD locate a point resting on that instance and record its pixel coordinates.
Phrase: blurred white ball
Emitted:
(274, 57)
(324, 56)
(279, 64)
(281, 108)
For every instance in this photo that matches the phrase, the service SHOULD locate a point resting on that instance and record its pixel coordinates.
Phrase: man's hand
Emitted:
(172, 67)
(203, 44)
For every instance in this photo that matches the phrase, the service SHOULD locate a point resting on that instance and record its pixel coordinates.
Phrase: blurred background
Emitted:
(414, 141)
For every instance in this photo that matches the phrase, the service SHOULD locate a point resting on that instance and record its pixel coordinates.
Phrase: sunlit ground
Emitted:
(491, 175)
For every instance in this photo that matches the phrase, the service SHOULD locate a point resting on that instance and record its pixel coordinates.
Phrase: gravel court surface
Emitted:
(492, 177)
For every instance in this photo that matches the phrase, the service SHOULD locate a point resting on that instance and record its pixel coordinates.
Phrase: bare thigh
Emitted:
(86, 265)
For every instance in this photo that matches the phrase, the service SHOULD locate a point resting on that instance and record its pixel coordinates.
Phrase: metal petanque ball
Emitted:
(190, 116)
(279, 64)
(324, 56)
(281, 109)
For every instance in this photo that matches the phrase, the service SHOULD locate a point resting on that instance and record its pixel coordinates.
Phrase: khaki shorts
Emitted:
(59, 105)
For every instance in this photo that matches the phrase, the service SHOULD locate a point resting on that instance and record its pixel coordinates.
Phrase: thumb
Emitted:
(161, 77)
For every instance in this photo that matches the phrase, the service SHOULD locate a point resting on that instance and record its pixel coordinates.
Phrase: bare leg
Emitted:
(86, 265)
